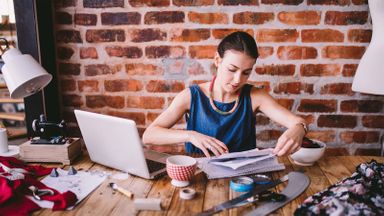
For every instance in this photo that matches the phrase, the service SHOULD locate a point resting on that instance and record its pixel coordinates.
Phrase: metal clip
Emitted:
(38, 193)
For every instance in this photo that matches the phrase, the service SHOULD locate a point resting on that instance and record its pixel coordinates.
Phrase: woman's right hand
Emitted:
(206, 143)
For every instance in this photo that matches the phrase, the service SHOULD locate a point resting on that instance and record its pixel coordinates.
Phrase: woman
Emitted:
(221, 113)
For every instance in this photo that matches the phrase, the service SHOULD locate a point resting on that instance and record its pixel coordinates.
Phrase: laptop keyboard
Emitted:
(154, 165)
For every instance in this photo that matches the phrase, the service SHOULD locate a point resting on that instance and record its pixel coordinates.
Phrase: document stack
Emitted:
(240, 163)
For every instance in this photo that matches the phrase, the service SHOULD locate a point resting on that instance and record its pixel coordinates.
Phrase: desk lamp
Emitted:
(369, 77)
(23, 76)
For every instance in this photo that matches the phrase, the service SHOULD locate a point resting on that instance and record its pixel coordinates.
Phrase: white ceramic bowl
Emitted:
(308, 156)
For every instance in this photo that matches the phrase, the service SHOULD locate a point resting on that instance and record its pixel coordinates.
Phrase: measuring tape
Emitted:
(246, 184)
(241, 184)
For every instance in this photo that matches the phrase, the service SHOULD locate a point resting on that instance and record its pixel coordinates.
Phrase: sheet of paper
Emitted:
(81, 184)
(267, 163)
(237, 163)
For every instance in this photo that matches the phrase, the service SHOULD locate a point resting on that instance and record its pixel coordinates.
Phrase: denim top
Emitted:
(236, 130)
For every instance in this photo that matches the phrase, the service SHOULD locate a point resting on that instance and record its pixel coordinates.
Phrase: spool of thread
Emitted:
(241, 184)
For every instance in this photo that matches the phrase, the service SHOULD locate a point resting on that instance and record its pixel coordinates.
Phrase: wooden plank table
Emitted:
(103, 201)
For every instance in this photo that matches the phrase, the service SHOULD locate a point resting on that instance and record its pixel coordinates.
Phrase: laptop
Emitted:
(115, 142)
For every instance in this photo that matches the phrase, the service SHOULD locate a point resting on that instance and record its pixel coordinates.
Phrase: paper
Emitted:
(81, 184)
(237, 163)
(263, 161)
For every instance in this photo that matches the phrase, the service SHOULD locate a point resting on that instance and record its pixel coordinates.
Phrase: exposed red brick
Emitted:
(122, 18)
(195, 68)
(293, 88)
(277, 35)
(324, 136)
(161, 17)
(309, 119)
(99, 101)
(337, 89)
(359, 2)
(88, 52)
(373, 121)
(208, 18)
(101, 69)
(359, 137)
(349, 70)
(287, 103)
(256, 18)
(360, 35)
(149, 3)
(197, 82)
(320, 70)
(365, 106)
(286, 2)
(238, 2)
(128, 52)
(337, 121)
(69, 69)
(88, 85)
(221, 33)
(202, 52)
(300, 17)
(164, 51)
(268, 135)
(346, 17)
(296, 52)
(63, 18)
(143, 69)
(265, 52)
(261, 119)
(164, 86)
(280, 70)
(118, 85)
(145, 102)
(103, 4)
(329, 2)
(343, 52)
(68, 36)
(72, 100)
(195, 3)
(264, 85)
(317, 105)
(146, 35)
(68, 85)
(105, 35)
(139, 118)
(321, 35)
(151, 116)
(190, 35)
(64, 53)
(85, 19)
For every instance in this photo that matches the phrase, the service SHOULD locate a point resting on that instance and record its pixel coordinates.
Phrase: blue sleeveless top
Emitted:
(236, 130)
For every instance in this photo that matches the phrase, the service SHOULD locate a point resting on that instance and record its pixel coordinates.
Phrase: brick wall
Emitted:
(129, 58)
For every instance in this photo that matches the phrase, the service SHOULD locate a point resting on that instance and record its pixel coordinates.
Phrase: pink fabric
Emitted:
(12, 193)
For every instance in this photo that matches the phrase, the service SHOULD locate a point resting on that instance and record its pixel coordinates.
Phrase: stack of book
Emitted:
(240, 163)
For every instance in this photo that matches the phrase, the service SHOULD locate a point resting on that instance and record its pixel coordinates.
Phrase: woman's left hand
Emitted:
(290, 141)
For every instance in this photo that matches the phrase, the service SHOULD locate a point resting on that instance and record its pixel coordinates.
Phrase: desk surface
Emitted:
(103, 201)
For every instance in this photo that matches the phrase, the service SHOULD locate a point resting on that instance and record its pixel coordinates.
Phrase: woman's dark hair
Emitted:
(239, 41)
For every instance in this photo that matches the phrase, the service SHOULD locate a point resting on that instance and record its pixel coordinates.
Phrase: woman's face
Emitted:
(233, 70)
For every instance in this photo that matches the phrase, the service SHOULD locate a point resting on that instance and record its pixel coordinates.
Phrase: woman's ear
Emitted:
(217, 59)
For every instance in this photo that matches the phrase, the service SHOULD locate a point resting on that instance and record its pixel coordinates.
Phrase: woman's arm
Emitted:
(159, 131)
(291, 139)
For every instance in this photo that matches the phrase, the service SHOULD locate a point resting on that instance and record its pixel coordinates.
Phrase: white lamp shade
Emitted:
(369, 77)
(22, 74)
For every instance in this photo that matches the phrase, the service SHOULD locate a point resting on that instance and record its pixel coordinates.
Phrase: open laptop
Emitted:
(115, 142)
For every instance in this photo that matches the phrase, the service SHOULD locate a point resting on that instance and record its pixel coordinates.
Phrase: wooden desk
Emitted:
(103, 201)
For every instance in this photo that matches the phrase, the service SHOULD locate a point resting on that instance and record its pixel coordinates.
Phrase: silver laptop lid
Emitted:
(113, 142)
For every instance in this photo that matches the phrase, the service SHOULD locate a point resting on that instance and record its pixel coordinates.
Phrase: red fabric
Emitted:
(12, 193)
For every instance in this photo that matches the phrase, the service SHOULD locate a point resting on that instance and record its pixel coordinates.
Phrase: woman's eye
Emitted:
(232, 70)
